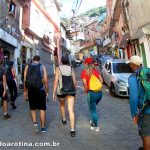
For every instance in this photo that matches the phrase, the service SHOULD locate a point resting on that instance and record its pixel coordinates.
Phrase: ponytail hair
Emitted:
(89, 69)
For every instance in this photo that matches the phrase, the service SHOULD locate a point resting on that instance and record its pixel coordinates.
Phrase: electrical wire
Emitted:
(78, 7)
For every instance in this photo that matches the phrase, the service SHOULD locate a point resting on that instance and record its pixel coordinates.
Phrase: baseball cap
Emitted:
(136, 60)
(88, 60)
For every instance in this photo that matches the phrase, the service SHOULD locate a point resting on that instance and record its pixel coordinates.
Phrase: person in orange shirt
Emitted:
(93, 97)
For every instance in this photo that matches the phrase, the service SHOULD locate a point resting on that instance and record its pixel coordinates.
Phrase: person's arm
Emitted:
(100, 78)
(83, 77)
(85, 85)
(25, 89)
(14, 75)
(74, 78)
(45, 80)
(133, 96)
(55, 83)
(4, 85)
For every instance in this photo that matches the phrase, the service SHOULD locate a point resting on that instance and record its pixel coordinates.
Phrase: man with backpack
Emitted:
(36, 90)
(139, 94)
(3, 93)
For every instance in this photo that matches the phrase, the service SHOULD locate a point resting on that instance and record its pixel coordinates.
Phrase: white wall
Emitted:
(51, 8)
(144, 40)
(39, 23)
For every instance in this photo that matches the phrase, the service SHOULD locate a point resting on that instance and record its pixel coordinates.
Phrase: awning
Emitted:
(6, 45)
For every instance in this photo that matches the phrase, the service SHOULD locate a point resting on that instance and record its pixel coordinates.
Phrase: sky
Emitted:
(86, 5)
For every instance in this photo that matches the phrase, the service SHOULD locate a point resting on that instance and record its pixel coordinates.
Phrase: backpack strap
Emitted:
(60, 70)
(41, 70)
(58, 78)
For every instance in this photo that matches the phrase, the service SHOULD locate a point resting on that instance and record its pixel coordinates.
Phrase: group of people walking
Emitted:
(64, 89)
(36, 91)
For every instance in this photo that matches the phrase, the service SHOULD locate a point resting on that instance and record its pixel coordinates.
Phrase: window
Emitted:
(109, 67)
(12, 8)
(121, 68)
(106, 65)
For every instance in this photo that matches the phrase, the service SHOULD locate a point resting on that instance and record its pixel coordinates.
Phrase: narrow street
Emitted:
(117, 131)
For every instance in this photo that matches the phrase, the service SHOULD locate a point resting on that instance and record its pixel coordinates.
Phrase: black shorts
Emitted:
(5, 98)
(63, 96)
(37, 99)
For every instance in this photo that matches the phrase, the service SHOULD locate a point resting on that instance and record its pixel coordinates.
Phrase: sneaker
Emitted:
(95, 129)
(7, 116)
(13, 105)
(92, 123)
(35, 128)
(64, 122)
(73, 133)
(43, 130)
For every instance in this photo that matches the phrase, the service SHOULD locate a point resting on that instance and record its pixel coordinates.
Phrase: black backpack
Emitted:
(67, 84)
(34, 77)
(9, 75)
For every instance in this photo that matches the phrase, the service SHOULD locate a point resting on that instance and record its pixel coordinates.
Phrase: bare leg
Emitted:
(146, 142)
(42, 118)
(33, 115)
(70, 101)
(62, 108)
(5, 106)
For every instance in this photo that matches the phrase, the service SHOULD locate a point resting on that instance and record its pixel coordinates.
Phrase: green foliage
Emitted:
(94, 12)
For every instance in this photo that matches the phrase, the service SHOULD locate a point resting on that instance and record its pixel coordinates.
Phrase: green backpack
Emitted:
(144, 78)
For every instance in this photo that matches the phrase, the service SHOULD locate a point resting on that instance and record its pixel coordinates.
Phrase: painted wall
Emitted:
(144, 40)
(137, 18)
(39, 24)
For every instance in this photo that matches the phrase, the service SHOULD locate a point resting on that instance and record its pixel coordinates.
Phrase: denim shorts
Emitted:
(144, 129)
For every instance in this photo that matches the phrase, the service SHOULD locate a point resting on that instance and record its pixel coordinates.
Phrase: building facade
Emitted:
(41, 31)
(139, 25)
(129, 30)
(10, 31)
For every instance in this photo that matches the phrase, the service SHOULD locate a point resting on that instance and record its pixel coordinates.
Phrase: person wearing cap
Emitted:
(66, 70)
(136, 96)
(93, 98)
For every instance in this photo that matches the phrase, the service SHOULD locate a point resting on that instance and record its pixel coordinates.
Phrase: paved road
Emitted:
(116, 129)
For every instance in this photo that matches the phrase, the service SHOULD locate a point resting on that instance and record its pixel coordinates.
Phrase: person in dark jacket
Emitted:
(11, 83)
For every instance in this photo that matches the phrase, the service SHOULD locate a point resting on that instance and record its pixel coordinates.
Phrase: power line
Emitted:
(78, 7)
